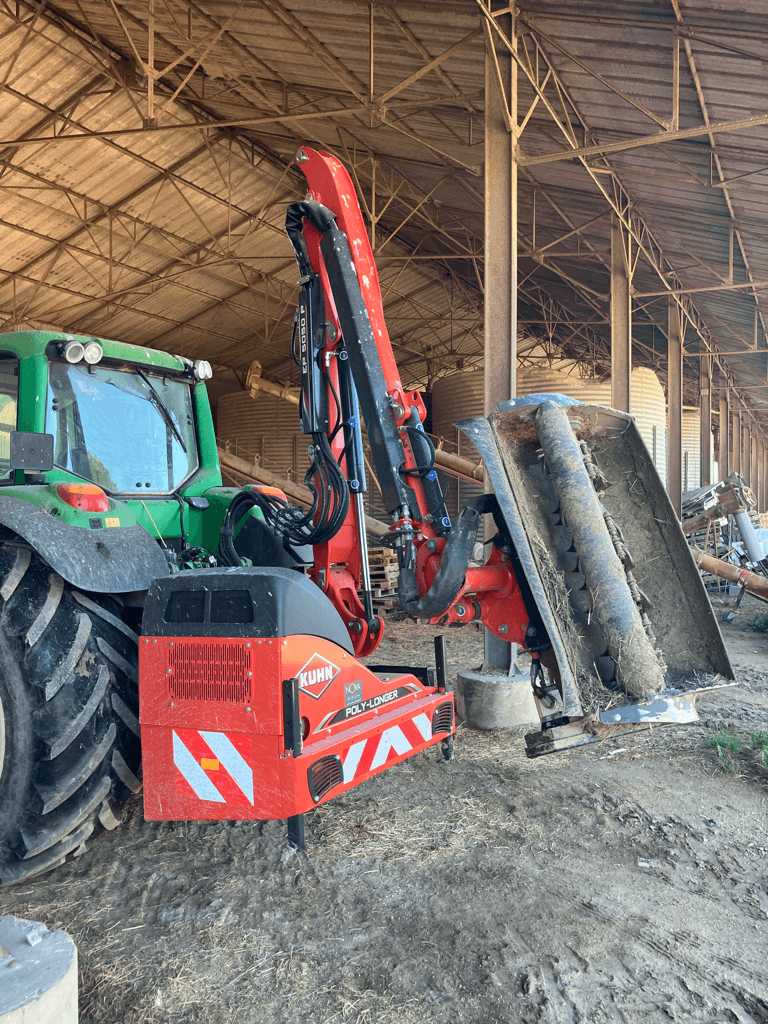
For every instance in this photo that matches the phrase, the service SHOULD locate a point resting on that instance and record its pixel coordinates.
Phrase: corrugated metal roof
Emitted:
(172, 236)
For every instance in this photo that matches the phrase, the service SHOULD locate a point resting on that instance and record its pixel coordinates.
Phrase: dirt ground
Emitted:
(619, 882)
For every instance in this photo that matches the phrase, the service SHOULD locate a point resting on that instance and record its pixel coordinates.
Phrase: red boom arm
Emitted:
(490, 593)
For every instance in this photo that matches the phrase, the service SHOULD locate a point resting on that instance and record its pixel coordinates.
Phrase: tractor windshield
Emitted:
(126, 430)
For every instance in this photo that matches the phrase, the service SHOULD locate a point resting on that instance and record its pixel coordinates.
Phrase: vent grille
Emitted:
(210, 671)
(442, 718)
(324, 775)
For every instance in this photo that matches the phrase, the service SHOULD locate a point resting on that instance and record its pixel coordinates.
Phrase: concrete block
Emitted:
(38, 974)
(495, 700)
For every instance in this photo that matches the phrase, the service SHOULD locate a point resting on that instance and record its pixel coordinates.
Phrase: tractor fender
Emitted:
(109, 560)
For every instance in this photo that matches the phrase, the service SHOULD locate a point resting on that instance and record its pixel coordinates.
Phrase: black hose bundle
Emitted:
(324, 519)
(324, 478)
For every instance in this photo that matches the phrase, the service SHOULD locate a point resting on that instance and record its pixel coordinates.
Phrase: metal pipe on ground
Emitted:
(297, 492)
(757, 585)
(748, 535)
(445, 460)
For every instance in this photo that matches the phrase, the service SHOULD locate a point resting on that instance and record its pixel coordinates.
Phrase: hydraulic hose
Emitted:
(453, 565)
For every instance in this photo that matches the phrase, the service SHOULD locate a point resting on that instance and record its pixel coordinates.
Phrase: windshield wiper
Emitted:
(162, 408)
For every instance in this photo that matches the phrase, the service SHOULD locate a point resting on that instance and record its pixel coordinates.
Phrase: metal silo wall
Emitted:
(649, 408)
(563, 378)
(456, 398)
(646, 397)
(266, 427)
(691, 462)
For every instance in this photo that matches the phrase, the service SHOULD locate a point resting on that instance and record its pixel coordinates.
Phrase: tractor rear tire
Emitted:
(69, 730)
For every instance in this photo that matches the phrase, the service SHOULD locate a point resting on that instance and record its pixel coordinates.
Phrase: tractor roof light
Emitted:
(85, 497)
(93, 353)
(202, 369)
(73, 351)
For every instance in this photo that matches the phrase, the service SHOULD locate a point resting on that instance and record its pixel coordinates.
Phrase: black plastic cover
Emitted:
(255, 602)
(30, 450)
(266, 548)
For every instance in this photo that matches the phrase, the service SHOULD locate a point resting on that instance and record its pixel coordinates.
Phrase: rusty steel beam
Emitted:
(705, 423)
(734, 459)
(724, 447)
(754, 446)
(741, 286)
(431, 66)
(675, 406)
(746, 460)
(736, 229)
(621, 319)
(603, 149)
(500, 270)
(400, 24)
(617, 198)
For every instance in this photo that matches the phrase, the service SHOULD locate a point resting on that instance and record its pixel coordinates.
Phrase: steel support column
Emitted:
(760, 475)
(724, 447)
(754, 472)
(760, 493)
(621, 318)
(705, 422)
(746, 464)
(675, 406)
(764, 506)
(499, 696)
(735, 443)
(500, 279)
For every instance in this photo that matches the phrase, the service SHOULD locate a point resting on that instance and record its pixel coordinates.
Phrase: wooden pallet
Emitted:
(381, 557)
(384, 575)
(386, 606)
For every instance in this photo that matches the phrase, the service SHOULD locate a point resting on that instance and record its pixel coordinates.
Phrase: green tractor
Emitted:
(109, 479)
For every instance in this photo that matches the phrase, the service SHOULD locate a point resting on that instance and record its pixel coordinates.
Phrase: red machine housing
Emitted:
(268, 727)
(213, 725)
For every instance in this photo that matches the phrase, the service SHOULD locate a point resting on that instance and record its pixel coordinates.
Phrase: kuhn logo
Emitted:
(317, 675)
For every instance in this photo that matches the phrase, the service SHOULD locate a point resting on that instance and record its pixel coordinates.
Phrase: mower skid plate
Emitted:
(512, 444)
(672, 709)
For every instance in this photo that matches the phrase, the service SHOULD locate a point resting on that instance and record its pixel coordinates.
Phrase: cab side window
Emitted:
(9, 400)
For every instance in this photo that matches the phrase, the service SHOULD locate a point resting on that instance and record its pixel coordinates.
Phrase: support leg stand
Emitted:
(296, 832)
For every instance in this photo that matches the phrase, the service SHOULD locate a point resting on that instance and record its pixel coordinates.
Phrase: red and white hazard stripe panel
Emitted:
(212, 765)
(374, 753)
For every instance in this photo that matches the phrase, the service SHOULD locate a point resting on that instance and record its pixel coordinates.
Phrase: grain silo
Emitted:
(266, 429)
(691, 463)
(454, 398)
(646, 399)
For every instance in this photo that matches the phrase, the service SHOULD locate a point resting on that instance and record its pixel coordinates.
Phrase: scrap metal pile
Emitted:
(726, 538)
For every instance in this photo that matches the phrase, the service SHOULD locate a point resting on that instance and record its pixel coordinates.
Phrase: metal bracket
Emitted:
(677, 709)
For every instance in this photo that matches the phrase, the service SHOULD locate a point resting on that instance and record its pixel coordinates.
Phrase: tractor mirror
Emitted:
(31, 451)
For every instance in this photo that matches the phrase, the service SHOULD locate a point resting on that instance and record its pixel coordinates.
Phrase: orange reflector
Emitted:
(210, 763)
(266, 489)
(86, 497)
